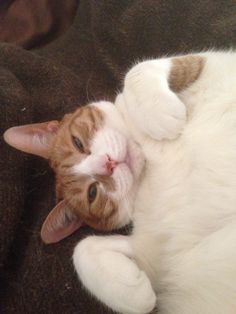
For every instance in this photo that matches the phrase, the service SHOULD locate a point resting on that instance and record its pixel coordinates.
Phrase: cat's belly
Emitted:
(182, 201)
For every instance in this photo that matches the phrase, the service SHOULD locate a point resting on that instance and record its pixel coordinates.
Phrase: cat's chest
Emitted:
(149, 200)
(163, 181)
(182, 191)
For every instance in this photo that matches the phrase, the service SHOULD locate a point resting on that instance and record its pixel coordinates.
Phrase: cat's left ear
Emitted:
(60, 223)
(32, 138)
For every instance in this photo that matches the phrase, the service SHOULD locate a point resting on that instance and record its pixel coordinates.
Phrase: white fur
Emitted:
(92, 164)
(184, 215)
(119, 282)
(154, 108)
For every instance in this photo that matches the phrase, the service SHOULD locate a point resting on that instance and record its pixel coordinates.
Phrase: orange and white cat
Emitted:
(163, 157)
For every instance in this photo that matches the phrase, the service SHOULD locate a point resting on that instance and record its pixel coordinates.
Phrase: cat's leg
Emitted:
(151, 94)
(106, 268)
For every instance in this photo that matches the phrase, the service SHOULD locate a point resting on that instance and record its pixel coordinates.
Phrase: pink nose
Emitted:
(110, 164)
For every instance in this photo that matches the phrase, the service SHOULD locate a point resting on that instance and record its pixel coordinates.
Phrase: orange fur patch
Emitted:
(83, 123)
(185, 71)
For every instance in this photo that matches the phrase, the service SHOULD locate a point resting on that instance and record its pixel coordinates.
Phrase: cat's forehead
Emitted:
(89, 115)
(83, 125)
(92, 117)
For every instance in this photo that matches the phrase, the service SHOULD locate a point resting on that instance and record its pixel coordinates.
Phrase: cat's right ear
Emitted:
(33, 138)
(60, 223)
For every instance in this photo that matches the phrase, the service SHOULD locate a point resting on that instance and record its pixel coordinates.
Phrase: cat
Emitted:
(164, 157)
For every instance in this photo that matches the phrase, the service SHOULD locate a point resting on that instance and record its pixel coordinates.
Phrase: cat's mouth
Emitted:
(133, 159)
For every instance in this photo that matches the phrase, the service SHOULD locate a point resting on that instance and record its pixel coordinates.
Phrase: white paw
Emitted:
(113, 278)
(153, 107)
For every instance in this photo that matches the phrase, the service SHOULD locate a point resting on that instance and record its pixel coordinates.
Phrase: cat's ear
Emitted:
(32, 138)
(60, 223)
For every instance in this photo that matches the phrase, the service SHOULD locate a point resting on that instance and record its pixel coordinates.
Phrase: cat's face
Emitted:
(97, 167)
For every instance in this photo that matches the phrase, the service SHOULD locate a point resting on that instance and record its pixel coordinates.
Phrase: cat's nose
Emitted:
(110, 164)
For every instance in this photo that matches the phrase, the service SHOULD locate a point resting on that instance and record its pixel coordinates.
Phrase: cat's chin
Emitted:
(135, 159)
(127, 173)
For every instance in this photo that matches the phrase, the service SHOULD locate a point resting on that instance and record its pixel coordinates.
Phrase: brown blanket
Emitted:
(87, 63)
(33, 23)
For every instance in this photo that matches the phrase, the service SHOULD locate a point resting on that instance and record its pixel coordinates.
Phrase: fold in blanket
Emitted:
(33, 23)
(85, 64)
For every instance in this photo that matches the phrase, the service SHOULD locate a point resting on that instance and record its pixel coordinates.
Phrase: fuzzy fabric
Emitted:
(33, 23)
(87, 63)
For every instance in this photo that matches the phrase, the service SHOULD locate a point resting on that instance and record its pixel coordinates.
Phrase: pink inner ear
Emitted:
(60, 233)
(32, 138)
(60, 223)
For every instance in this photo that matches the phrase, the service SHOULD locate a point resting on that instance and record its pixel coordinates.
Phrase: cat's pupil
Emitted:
(78, 143)
(92, 192)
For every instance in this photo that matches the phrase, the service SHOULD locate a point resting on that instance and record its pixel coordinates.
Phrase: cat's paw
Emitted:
(152, 106)
(112, 277)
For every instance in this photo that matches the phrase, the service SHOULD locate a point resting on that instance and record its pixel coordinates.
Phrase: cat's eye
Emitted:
(92, 192)
(78, 144)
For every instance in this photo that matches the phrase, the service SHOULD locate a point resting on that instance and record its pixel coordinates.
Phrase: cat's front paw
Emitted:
(113, 277)
(152, 106)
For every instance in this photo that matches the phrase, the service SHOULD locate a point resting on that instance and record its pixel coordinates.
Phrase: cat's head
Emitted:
(97, 167)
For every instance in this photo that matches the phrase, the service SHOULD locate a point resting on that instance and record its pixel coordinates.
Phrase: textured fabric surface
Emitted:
(87, 63)
(31, 23)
